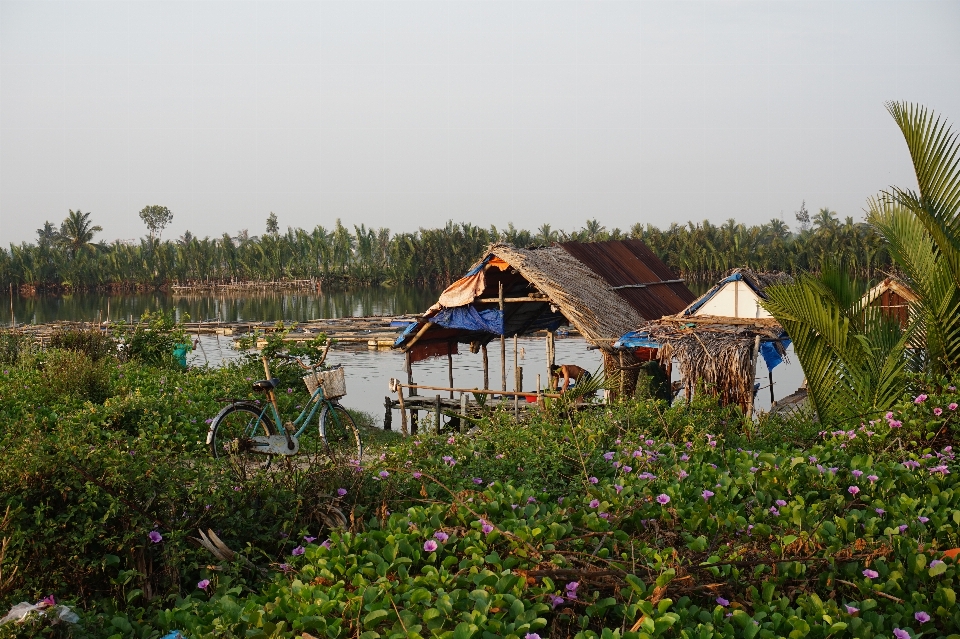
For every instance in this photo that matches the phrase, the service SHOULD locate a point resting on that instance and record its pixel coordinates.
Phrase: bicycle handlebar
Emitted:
(308, 367)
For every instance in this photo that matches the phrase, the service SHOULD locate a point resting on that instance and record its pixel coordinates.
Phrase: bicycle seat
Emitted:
(264, 385)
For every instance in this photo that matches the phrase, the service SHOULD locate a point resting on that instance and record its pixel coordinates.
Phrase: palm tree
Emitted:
(76, 232)
(923, 230)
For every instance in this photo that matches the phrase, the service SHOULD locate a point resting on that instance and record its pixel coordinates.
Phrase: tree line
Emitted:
(68, 258)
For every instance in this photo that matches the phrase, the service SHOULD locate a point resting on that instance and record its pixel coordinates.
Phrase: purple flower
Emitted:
(326, 544)
(477, 480)
(920, 399)
(773, 510)
(618, 488)
(417, 475)
(921, 616)
(901, 634)
(555, 600)
(880, 511)
(706, 495)
(853, 490)
(531, 635)
(486, 528)
(289, 390)
(684, 457)
(857, 473)
(594, 480)
(683, 474)
(754, 469)
(780, 502)
(872, 478)
(429, 545)
(608, 456)
(155, 537)
(384, 474)
(663, 499)
(923, 520)
(203, 584)
(938, 412)
(870, 574)
(341, 491)
(851, 610)
(531, 499)
(441, 536)
(627, 469)
(952, 406)
(902, 528)
(285, 567)
(594, 503)
(571, 589)
(309, 539)
(935, 562)
(722, 601)
(296, 552)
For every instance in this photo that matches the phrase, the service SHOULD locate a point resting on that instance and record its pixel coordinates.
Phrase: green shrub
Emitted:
(14, 346)
(154, 339)
(95, 344)
(73, 374)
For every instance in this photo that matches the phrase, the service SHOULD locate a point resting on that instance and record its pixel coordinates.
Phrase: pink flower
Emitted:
(780, 502)
(938, 411)
(920, 399)
(952, 406)
(707, 494)
(594, 480)
(486, 528)
(851, 610)
(155, 537)
(441, 536)
(203, 584)
(326, 544)
(921, 616)
(451, 440)
(872, 478)
(384, 474)
(618, 488)
(296, 552)
(853, 490)
(309, 539)
(429, 545)
(594, 503)
(722, 601)
(417, 475)
(870, 574)
(901, 634)
(857, 473)
(663, 499)
(341, 491)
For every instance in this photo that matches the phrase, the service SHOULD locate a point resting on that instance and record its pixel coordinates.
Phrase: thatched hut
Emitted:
(601, 289)
(717, 339)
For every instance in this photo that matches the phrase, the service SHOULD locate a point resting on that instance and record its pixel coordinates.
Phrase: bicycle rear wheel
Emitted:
(231, 432)
(340, 434)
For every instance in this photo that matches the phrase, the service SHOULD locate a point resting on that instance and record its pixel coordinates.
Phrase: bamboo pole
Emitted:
(503, 342)
(753, 376)
(772, 400)
(486, 368)
(416, 337)
(477, 391)
(450, 367)
(516, 380)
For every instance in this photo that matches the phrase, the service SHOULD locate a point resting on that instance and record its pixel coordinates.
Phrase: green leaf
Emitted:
(374, 617)
(939, 569)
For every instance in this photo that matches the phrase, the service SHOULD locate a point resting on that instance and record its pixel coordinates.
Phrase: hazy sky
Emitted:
(409, 114)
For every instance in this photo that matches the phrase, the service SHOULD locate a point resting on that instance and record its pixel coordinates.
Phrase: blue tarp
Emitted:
(468, 318)
(476, 269)
(635, 339)
(770, 354)
(405, 334)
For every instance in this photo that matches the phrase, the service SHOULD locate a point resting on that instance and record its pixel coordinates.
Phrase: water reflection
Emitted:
(290, 306)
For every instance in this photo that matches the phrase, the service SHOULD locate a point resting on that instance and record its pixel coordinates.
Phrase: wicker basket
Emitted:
(333, 382)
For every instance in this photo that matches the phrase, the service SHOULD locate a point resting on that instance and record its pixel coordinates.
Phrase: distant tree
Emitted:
(48, 235)
(272, 227)
(76, 232)
(156, 218)
(186, 238)
(803, 217)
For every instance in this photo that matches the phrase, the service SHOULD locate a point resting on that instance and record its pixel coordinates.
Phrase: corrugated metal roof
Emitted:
(635, 274)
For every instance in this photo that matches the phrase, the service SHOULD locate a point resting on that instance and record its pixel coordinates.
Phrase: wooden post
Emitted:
(486, 368)
(414, 415)
(387, 414)
(772, 400)
(623, 378)
(13, 319)
(753, 376)
(439, 419)
(463, 404)
(403, 413)
(450, 366)
(503, 343)
(539, 392)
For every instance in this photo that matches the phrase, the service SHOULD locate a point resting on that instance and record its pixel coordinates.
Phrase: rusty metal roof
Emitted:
(635, 274)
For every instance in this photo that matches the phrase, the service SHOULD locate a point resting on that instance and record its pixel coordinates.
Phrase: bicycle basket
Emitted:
(333, 382)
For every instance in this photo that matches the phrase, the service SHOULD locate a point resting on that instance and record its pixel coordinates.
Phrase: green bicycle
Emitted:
(246, 432)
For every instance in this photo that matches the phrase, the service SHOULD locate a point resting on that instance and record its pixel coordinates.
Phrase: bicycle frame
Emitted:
(302, 421)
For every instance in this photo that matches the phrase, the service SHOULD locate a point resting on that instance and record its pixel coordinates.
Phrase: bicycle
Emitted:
(246, 432)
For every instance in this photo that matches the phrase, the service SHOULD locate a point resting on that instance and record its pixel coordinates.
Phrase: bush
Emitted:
(74, 375)
(154, 339)
(14, 347)
(95, 344)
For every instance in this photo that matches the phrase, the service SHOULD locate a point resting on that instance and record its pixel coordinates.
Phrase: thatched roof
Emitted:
(615, 286)
(716, 353)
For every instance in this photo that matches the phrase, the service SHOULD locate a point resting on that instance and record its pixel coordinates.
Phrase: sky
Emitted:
(408, 114)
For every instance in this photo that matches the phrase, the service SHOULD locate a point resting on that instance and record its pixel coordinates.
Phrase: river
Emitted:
(368, 371)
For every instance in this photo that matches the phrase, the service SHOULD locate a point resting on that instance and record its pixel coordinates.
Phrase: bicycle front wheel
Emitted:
(231, 432)
(340, 434)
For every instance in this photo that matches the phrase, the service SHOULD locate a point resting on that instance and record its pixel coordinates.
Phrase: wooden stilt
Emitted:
(486, 368)
(414, 415)
(503, 343)
(770, 377)
(450, 367)
(753, 377)
(438, 414)
(387, 414)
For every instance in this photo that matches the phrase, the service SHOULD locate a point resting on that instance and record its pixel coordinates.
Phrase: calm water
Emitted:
(368, 371)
